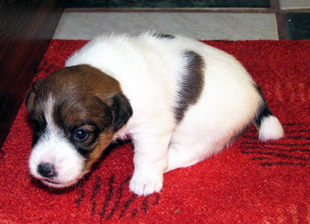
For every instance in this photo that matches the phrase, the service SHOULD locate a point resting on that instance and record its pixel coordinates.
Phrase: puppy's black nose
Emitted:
(47, 170)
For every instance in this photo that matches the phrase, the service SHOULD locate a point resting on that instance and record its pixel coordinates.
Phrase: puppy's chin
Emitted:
(54, 183)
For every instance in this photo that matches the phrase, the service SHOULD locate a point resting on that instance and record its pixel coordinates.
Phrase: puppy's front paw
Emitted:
(142, 184)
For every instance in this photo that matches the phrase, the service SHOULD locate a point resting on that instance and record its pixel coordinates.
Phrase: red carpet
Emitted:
(251, 182)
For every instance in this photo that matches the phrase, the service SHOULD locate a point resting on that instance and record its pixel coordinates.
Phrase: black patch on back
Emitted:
(263, 110)
(163, 36)
(191, 84)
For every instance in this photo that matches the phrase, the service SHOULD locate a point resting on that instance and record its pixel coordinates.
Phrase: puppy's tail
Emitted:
(268, 126)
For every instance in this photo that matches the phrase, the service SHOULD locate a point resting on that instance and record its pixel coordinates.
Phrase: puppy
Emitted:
(179, 100)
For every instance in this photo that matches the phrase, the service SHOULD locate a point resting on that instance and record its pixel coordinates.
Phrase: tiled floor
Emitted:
(299, 25)
(294, 4)
(207, 26)
(234, 20)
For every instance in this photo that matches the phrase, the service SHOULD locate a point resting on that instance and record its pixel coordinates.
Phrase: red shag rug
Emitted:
(251, 182)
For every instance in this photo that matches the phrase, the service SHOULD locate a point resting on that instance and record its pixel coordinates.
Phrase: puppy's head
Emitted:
(75, 111)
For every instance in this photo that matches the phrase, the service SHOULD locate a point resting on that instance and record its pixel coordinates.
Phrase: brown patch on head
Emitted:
(88, 107)
(102, 144)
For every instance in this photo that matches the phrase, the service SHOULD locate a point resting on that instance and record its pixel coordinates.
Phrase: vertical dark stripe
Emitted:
(82, 196)
(191, 85)
(134, 213)
(108, 197)
(127, 204)
(95, 191)
(157, 197)
(118, 201)
(145, 204)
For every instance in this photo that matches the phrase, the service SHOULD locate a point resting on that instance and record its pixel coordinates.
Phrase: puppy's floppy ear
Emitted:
(32, 94)
(123, 110)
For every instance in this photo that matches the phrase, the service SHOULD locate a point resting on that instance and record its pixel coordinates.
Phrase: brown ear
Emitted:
(123, 110)
(32, 94)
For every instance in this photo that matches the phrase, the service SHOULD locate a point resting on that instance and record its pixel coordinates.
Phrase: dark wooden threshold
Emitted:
(26, 29)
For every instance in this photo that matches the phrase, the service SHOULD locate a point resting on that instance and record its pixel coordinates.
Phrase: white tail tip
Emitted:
(270, 129)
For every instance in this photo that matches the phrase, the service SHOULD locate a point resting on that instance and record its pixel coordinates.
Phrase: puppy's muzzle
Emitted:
(47, 170)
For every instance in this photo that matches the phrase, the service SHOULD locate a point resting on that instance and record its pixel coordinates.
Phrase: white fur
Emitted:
(270, 129)
(54, 149)
(149, 69)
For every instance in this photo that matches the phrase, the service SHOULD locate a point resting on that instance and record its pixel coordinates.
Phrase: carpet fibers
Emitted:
(249, 182)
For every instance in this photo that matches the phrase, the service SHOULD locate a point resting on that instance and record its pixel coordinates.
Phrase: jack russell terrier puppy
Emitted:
(178, 99)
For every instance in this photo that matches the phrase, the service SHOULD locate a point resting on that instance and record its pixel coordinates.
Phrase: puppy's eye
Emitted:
(80, 135)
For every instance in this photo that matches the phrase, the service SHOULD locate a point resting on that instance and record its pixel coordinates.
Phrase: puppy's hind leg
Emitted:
(179, 156)
(192, 150)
